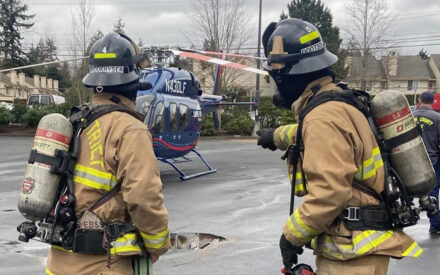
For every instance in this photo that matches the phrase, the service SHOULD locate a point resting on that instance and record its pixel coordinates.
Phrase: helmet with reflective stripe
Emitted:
(293, 46)
(114, 60)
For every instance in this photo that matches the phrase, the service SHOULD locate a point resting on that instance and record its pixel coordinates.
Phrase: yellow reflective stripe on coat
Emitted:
(413, 251)
(369, 166)
(49, 272)
(94, 178)
(61, 248)
(361, 244)
(126, 243)
(299, 183)
(286, 134)
(156, 241)
(299, 228)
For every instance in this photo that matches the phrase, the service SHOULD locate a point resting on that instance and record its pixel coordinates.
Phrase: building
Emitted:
(18, 85)
(241, 80)
(408, 74)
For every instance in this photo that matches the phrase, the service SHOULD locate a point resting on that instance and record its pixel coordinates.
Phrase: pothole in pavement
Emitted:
(194, 241)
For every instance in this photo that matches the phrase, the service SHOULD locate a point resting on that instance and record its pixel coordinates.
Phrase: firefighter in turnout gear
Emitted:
(429, 121)
(117, 186)
(337, 149)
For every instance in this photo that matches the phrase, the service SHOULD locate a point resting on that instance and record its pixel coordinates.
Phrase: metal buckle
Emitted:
(352, 213)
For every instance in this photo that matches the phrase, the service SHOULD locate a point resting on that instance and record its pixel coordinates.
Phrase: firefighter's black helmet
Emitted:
(293, 46)
(114, 61)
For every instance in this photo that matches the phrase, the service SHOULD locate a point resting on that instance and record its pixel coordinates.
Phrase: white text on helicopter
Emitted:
(175, 86)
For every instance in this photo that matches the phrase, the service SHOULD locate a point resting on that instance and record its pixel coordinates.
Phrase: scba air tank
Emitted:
(408, 155)
(40, 185)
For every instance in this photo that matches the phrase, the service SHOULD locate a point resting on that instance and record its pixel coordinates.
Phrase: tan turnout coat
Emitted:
(117, 147)
(339, 146)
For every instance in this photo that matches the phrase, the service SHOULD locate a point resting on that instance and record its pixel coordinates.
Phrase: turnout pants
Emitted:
(368, 265)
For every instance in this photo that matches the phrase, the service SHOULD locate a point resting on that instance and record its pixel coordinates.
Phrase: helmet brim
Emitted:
(109, 79)
(308, 64)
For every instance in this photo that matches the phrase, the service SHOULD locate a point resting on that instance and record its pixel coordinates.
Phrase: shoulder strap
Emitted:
(358, 99)
(90, 113)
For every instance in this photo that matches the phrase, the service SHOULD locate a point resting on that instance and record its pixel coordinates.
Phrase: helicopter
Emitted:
(173, 108)
(173, 105)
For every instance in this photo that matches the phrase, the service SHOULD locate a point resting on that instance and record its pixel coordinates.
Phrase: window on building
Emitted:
(174, 117)
(409, 86)
(383, 85)
(413, 85)
(369, 86)
(184, 116)
(431, 84)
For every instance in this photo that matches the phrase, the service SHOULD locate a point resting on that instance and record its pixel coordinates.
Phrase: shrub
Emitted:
(33, 116)
(241, 124)
(272, 116)
(207, 126)
(5, 116)
(19, 109)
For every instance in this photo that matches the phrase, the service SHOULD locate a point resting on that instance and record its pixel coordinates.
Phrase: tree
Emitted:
(119, 26)
(223, 25)
(13, 19)
(83, 31)
(369, 20)
(320, 16)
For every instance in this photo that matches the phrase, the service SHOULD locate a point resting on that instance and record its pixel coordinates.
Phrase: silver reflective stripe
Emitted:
(125, 243)
(368, 171)
(106, 184)
(302, 231)
(158, 241)
(285, 135)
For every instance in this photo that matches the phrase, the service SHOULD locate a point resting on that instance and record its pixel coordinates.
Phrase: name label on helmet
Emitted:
(174, 86)
(313, 48)
(108, 69)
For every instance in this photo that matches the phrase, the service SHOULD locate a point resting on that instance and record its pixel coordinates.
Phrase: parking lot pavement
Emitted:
(246, 202)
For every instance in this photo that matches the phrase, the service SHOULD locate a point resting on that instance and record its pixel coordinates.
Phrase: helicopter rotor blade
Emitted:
(221, 53)
(218, 61)
(43, 64)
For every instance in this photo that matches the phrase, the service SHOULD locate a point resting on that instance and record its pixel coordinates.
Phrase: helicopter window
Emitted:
(174, 123)
(158, 124)
(184, 116)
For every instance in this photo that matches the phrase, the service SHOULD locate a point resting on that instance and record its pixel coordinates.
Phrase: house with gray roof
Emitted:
(408, 74)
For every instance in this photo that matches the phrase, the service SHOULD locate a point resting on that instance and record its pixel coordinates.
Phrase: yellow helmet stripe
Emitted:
(309, 37)
(104, 55)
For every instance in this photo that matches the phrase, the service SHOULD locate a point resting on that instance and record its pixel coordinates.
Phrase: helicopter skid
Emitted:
(184, 176)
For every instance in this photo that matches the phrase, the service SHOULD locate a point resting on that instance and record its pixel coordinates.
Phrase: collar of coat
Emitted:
(324, 84)
(105, 98)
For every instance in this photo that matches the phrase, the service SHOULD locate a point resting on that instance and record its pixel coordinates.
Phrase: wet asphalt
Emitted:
(245, 201)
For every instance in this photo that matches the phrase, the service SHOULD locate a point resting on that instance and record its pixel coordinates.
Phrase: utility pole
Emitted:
(257, 84)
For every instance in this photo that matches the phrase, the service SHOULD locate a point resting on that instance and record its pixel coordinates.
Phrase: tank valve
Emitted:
(27, 230)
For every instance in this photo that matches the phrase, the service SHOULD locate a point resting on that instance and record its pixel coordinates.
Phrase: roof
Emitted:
(6, 79)
(411, 67)
(374, 68)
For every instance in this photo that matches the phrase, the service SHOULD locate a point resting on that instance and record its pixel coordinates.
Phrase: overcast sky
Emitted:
(166, 22)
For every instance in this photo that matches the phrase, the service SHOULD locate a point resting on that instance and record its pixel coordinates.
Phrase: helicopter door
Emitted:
(157, 120)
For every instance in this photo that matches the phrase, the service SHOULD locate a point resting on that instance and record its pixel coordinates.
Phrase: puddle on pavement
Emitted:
(194, 241)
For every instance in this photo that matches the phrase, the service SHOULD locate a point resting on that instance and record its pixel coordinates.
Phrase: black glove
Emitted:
(265, 138)
(289, 252)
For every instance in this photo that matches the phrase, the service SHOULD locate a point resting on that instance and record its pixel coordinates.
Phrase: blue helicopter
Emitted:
(173, 108)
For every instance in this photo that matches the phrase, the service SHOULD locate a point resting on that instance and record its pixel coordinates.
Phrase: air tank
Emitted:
(40, 185)
(407, 153)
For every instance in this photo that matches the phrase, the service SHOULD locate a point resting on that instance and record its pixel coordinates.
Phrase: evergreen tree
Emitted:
(319, 15)
(13, 19)
(95, 37)
(119, 26)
